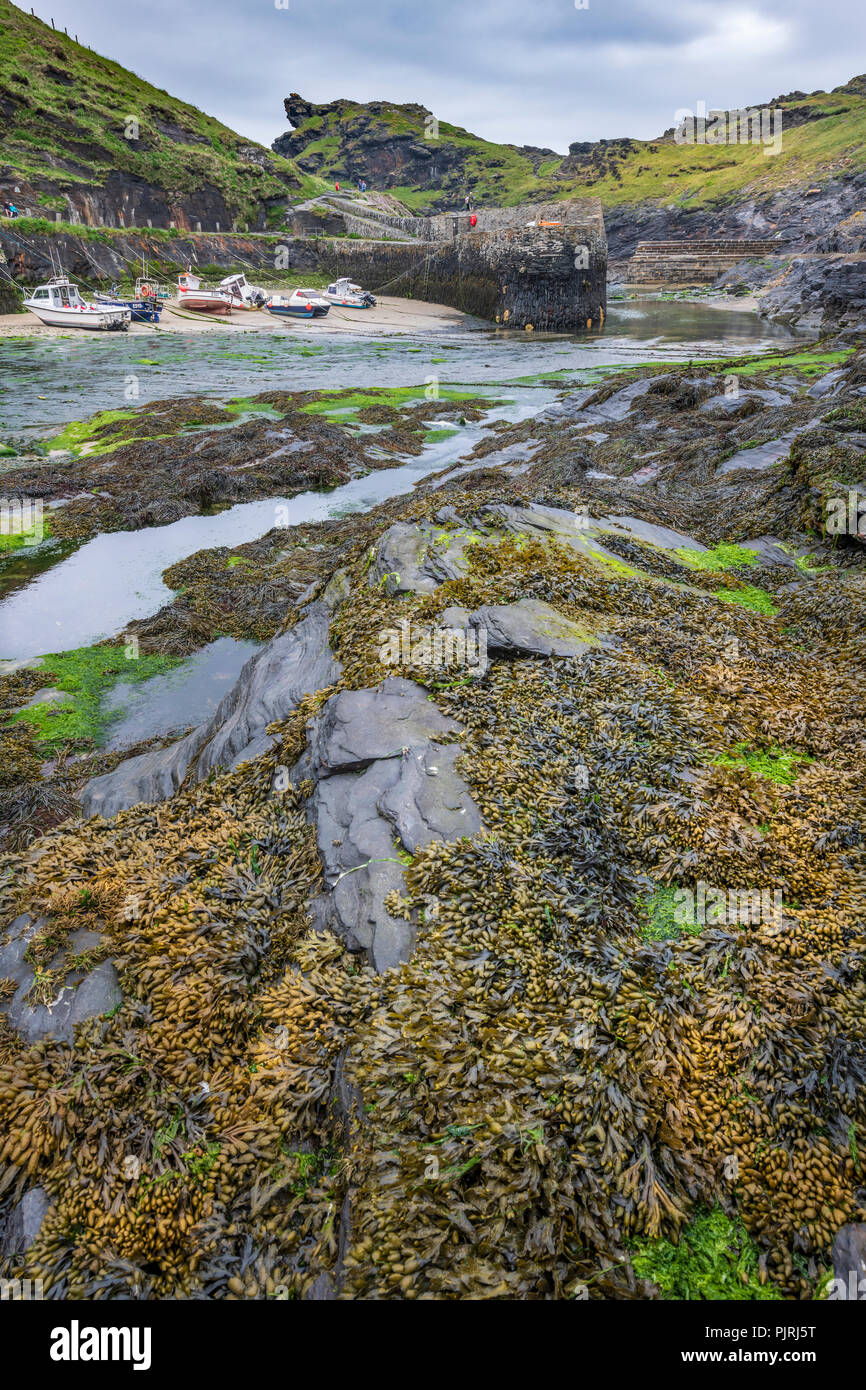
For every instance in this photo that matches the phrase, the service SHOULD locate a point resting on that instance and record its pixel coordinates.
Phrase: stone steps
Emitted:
(697, 262)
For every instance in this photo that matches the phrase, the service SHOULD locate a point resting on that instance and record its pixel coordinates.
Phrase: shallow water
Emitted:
(46, 382)
(59, 601)
(114, 578)
(178, 699)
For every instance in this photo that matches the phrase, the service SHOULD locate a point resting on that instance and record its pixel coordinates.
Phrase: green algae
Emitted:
(340, 404)
(750, 596)
(24, 540)
(778, 764)
(808, 363)
(84, 675)
(715, 1259)
(722, 556)
(434, 436)
(661, 922)
(78, 433)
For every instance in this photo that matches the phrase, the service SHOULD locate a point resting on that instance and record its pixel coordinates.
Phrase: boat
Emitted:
(147, 288)
(191, 295)
(59, 304)
(301, 304)
(144, 306)
(348, 296)
(242, 294)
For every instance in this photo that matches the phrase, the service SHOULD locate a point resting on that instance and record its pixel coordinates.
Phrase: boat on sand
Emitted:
(300, 304)
(59, 304)
(191, 295)
(346, 295)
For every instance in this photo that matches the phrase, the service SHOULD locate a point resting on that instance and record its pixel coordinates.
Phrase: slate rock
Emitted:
(849, 1255)
(531, 628)
(357, 727)
(98, 993)
(25, 1221)
(429, 800)
(415, 559)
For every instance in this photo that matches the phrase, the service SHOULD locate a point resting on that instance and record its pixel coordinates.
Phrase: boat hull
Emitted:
(204, 303)
(110, 318)
(142, 310)
(284, 311)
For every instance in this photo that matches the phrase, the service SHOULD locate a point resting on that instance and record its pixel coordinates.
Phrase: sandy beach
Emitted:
(390, 316)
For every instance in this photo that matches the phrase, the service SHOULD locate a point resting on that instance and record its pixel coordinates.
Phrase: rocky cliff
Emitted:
(431, 163)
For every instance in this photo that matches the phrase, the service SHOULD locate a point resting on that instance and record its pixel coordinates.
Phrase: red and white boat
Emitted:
(190, 295)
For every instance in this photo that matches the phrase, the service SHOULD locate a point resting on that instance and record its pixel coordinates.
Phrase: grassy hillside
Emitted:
(63, 114)
(823, 134)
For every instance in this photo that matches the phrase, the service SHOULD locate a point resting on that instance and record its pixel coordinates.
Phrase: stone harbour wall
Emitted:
(536, 267)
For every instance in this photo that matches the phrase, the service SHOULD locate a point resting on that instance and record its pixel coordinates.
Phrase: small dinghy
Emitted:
(59, 304)
(300, 304)
(242, 294)
(348, 296)
(191, 295)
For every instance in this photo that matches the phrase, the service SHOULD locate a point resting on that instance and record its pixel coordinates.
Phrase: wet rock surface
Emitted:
(381, 784)
(530, 628)
(81, 996)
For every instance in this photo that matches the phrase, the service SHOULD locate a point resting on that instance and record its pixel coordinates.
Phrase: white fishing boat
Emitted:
(58, 303)
(346, 295)
(242, 294)
(191, 295)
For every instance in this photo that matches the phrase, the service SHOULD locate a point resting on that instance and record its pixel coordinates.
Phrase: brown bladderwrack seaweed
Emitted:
(542, 1082)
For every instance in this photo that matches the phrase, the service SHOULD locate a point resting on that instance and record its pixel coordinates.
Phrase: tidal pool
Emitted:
(97, 590)
(58, 601)
(179, 699)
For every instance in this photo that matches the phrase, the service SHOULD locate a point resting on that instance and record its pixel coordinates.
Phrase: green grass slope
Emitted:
(63, 114)
(823, 135)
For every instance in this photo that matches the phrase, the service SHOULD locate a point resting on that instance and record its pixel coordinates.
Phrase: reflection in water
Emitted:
(178, 699)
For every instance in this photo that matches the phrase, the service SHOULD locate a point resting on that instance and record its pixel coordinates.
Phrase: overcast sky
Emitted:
(538, 72)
